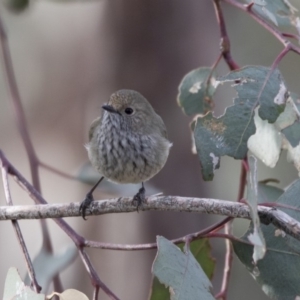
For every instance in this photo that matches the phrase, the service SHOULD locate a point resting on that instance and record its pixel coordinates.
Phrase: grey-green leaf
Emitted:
(279, 12)
(196, 90)
(292, 133)
(16, 289)
(262, 86)
(278, 272)
(229, 134)
(47, 265)
(201, 249)
(181, 272)
(268, 193)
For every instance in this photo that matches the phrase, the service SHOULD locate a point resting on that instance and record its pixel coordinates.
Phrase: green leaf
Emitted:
(268, 193)
(16, 289)
(278, 272)
(181, 272)
(290, 114)
(229, 134)
(291, 130)
(279, 12)
(256, 236)
(292, 133)
(159, 291)
(47, 265)
(196, 91)
(201, 249)
(261, 86)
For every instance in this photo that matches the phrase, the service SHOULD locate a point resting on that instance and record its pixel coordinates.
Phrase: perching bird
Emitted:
(127, 143)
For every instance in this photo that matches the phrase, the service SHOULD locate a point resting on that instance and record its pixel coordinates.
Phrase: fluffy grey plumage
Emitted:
(128, 142)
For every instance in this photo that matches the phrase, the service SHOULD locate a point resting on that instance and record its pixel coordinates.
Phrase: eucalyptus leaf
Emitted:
(292, 133)
(158, 290)
(201, 249)
(196, 90)
(229, 134)
(278, 272)
(16, 289)
(262, 86)
(47, 265)
(180, 272)
(292, 130)
(278, 12)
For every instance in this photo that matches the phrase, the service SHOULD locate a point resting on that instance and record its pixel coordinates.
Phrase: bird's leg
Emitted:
(140, 197)
(88, 199)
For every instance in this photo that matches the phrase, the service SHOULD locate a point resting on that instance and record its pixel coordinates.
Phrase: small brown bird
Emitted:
(127, 143)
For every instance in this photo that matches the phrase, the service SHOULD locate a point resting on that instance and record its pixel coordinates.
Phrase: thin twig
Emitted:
(228, 230)
(225, 42)
(34, 164)
(17, 229)
(225, 49)
(22, 127)
(75, 237)
(191, 237)
(96, 282)
(276, 32)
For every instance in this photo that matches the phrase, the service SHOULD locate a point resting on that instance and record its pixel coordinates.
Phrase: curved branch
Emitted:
(76, 238)
(157, 202)
(273, 30)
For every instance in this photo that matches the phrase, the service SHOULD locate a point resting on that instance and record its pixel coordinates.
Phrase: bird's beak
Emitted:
(111, 109)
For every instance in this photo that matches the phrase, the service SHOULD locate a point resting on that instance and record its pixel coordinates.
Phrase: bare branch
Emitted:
(17, 229)
(157, 202)
(76, 238)
(273, 30)
(225, 41)
(20, 119)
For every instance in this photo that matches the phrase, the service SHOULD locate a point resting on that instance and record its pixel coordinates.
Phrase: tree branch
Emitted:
(273, 30)
(157, 202)
(18, 232)
(20, 120)
(75, 237)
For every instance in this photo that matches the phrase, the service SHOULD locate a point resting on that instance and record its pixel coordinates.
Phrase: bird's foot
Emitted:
(139, 198)
(85, 204)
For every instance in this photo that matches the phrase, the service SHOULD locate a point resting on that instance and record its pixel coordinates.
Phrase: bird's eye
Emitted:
(128, 110)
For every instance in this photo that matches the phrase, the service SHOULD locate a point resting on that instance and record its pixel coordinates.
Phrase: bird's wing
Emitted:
(162, 128)
(94, 124)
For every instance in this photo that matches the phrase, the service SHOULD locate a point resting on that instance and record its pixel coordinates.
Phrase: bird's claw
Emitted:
(139, 198)
(85, 204)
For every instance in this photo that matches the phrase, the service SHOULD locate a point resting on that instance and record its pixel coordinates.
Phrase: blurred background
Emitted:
(68, 58)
